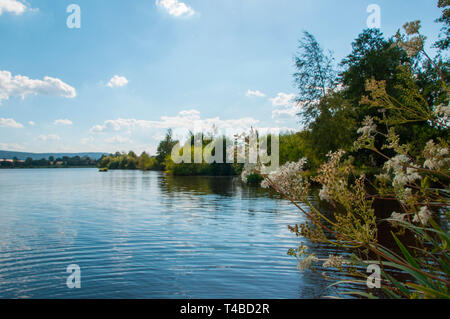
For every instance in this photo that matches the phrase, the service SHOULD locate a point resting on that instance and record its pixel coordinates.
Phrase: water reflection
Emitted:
(146, 235)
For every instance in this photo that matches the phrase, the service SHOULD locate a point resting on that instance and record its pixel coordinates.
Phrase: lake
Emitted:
(146, 235)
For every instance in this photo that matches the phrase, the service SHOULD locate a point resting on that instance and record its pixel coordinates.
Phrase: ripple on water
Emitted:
(144, 235)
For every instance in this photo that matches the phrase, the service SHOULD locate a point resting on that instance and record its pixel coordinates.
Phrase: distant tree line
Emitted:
(120, 160)
(143, 162)
(51, 162)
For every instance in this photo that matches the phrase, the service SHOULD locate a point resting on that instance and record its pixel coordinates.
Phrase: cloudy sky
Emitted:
(136, 68)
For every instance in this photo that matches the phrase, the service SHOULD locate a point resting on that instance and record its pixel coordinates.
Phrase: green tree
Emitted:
(372, 57)
(165, 149)
(29, 162)
(314, 75)
(333, 129)
(146, 162)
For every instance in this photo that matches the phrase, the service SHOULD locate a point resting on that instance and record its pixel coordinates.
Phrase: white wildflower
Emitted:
(288, 178)
(334, 262)
(412, 174)
(442, 110)
(383, 177)
(429, 164)
(244, 176)
(398, 217)
(324, 194)
(368, 128)
(405, 195)
(423, 216)
(306, 262)
(436, 157)
(265, 184)
(403, 170)
(396, 163)
(442, 113)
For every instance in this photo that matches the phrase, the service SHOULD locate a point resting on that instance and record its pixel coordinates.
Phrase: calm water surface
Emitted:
(144, 235)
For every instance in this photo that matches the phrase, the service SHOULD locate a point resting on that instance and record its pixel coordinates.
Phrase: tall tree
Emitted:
(372, 57)
(165, 148)
(314, 77)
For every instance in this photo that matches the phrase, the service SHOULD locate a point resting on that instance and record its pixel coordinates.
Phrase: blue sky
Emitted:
(136, 68)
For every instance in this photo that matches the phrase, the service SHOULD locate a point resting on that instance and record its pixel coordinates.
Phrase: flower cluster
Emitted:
(442, 110)
(405, 195)
(367, 132)
(423, 216)
(436, 157)
(414, 43)
(306, 262)
(442, 113)
(398, 217)
(334, 262)
(332, 177)
(324, 194)
(369, 127)
(403, 170)
(412, 27)
(288, 178)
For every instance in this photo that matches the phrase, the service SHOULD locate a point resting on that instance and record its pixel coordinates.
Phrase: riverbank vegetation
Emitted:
(292, 146)
(163, 161)
(388, 111)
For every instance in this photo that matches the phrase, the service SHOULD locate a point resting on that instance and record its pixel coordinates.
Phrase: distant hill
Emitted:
(38, 156)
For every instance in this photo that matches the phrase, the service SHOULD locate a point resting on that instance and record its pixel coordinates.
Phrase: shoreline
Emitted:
(47, 167)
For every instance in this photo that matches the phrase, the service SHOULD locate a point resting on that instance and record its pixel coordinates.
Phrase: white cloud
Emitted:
(286, 113)
(140, 135)
(87, 140)
(283, 99)
(256, 93)
(22, 86)
(187, 120)
(289, 107)
(118, 140)
(12, 6)
(31, 123)
(9, 123)
(50, 137)
(158, 136)
(63, 122)
(11, 147)
(117, 81)
(175, 8)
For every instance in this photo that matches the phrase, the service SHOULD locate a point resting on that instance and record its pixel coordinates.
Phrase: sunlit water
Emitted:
(144, 235)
